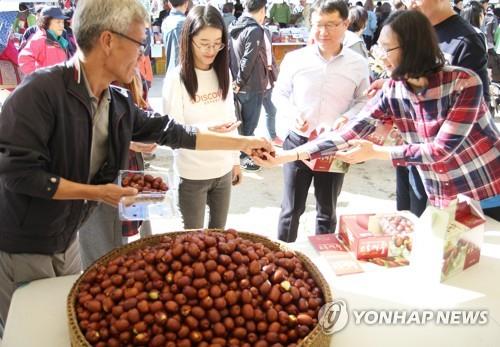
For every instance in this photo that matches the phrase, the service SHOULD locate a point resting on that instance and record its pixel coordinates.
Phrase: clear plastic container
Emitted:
(151, 202)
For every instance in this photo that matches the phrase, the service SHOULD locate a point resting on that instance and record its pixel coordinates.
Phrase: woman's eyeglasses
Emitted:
(206, 47)
(382, 52)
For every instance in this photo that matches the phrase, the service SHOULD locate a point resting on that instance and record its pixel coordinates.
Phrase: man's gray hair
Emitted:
(92, 17)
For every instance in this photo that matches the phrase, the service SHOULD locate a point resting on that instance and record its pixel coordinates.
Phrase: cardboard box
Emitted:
(10, 75)
(330, 164)
(448, 240)
(336, 254)
(160, 66)
(353, 231)
(371, 236)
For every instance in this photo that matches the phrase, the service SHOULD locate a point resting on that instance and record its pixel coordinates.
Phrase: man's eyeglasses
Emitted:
(142, 45)
(206, 47)
(330, 26)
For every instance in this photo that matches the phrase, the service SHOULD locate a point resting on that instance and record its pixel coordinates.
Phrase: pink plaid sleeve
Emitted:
(454, 129)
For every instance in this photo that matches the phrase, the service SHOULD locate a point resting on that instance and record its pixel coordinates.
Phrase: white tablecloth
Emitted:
(38, 312)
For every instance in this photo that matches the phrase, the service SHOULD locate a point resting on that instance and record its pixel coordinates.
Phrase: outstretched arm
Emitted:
(248, 144)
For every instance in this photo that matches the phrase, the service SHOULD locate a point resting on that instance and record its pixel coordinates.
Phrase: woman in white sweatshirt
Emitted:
(198, 92)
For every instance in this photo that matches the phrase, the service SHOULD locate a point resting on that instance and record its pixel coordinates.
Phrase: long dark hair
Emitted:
(199, 18)
(472, 13)
(420, 53)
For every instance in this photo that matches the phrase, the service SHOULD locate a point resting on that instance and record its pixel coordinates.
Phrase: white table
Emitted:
(38, 313)
(37, 316)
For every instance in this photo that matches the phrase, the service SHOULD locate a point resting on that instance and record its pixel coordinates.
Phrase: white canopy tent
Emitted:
(13, 5)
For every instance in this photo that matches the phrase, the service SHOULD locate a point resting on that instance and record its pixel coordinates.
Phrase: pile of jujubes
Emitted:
(144, 183)
(199, 289)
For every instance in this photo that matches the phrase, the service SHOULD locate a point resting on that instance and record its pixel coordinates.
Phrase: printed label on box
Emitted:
(336, 254)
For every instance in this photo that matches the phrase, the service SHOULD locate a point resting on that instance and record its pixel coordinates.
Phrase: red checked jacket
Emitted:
(450, 135)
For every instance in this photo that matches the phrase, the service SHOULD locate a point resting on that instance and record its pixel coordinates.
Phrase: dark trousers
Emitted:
(250, 106)
(493, 212)
(410, 192)
(270, 113)
(368, 41)
(297, 179)
(411, 195)
(494, 65)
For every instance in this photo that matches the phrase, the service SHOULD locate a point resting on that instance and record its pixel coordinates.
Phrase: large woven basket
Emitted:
(316, 338)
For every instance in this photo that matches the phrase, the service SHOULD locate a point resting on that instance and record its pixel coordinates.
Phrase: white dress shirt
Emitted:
(320, 90)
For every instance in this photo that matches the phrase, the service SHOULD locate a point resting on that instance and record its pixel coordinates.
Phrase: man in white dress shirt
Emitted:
(319, 86)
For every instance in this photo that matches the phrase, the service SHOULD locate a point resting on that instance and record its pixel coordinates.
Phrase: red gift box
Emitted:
(353, 231)
(371, 236)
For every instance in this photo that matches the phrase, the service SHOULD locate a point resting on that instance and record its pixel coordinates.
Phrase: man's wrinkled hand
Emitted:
(111, 193)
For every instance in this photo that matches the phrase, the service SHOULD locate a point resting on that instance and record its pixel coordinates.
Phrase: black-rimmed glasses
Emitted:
(385, 52)
(142, 45)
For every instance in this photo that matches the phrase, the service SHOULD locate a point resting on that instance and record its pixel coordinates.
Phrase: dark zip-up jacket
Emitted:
(45, 135)
(248, 55)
